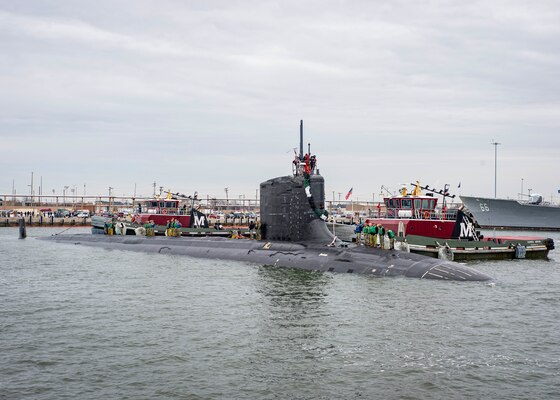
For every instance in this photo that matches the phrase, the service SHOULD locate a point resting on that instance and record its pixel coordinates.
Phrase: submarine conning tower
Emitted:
(292, 207)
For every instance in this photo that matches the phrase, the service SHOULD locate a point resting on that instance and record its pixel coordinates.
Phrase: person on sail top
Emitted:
(307, 167)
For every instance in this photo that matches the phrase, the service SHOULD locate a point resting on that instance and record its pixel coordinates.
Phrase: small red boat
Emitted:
(417, 214)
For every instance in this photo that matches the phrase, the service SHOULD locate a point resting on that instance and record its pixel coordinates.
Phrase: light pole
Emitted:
(64, 195)
(31, 188)
(110, 193)
(495, 144)
(332, 215)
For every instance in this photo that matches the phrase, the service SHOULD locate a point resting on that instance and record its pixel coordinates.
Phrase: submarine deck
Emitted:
(313, 256)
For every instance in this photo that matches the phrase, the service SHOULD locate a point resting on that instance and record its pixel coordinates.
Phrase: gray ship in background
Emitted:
(533, 214)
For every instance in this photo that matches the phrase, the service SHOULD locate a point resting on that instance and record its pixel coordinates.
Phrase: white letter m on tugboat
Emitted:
(199, 220)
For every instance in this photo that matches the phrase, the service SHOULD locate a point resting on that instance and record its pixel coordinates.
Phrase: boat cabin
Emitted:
(410, 207)
(162, 206)
(161, 210)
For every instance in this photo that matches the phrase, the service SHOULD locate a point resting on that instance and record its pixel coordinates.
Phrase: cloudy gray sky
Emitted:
(203, 95)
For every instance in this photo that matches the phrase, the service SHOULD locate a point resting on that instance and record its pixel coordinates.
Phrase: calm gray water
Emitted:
(85, 323)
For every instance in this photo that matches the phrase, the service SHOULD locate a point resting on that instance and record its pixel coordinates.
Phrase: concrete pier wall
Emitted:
(45, 221)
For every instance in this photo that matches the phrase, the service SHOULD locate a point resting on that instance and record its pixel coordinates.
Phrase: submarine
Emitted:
(294, 234)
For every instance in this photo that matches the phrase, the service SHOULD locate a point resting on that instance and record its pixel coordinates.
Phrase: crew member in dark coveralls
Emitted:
(252, 227)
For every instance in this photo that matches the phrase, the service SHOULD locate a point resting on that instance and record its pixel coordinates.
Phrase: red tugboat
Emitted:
(449, 234)
(161, 210)
(417, 214)
(158, 211)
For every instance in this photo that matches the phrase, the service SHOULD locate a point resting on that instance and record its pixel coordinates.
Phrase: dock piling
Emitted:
(22, 231)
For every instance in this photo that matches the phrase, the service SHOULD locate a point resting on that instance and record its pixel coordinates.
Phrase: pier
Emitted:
(45, 221)
(62, 210)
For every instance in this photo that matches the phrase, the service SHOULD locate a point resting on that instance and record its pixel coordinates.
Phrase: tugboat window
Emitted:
(406, 203)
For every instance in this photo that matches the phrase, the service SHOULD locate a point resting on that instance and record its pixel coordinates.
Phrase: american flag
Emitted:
(349, 193)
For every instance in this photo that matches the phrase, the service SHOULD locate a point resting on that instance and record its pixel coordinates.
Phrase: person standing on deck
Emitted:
(391, 236)
(168, 228)
(381, 233)
(367, 234)
(358, 232)
(177, 228)
(252, 229)
(258, 229)
(374, 232)
(147, 228)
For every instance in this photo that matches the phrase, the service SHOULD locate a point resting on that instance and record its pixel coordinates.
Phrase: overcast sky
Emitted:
(204, 95)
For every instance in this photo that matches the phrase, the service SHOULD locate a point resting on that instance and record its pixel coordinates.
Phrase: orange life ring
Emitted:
(164, 210)
(426, 215)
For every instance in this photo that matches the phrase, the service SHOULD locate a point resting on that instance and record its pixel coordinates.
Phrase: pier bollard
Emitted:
(22, 231)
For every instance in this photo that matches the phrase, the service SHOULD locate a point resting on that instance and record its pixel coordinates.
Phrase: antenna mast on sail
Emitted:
(301, 140)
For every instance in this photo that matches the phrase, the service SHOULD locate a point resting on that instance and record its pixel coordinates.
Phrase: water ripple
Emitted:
(86, 323)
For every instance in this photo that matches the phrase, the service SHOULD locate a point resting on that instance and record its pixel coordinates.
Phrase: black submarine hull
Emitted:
(292, 226)
(306, 256)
